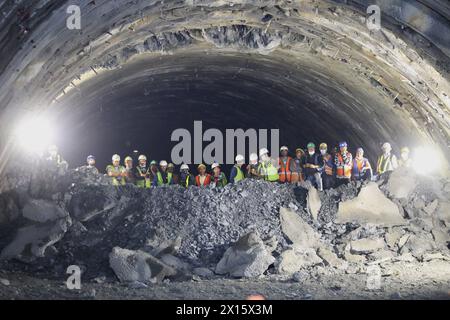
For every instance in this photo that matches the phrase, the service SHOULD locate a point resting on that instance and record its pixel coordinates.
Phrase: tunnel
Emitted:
(314, 70)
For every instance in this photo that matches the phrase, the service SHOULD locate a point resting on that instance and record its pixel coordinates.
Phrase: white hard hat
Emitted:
(163, 163)
(263, 151)
(253, 157)
(215, 165)
(284, 148)
(142, 157)
(184, 166)
(116, 157)
(239, 158)
(386, 145)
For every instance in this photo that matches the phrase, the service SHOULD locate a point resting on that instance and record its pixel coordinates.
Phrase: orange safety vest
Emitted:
(285, 172)
(342, 170)
(206, 182)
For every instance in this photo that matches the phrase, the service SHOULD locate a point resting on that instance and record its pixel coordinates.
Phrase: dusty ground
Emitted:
(429, 280)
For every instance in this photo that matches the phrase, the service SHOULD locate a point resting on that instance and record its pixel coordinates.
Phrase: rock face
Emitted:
(129, 266)
(299, 232)
(370, 206)
(246, 258)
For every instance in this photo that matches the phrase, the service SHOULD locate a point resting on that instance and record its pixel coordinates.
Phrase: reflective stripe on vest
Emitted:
(384, 163)
(284, 171)
(114, 180)
(239, 175)
(270, 173)
(160, 178)
(342, 170)
(358, 166)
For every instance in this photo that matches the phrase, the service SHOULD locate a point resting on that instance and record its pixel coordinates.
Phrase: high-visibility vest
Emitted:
(161, 180)
(268, 171)
(143, 182)
(384, 164)
(284, 172)
(344, 170)
(206, 182)
(358, 166)
(114, 180)
(239, 174)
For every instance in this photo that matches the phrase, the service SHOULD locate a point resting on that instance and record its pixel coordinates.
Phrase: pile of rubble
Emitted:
(249, 229)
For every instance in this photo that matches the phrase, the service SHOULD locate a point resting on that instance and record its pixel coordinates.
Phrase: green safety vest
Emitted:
(239, 175)
(114, 180)
(268, 171)
(143, 183)
(160, 178)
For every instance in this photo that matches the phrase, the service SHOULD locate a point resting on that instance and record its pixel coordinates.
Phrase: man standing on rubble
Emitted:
(171, 170)
(387, 162)
(362, 171)
(267, 169)
(116, 171)
(218, 178)
(343, 162)
(90, 165)
(203, 178)
(328, 167)
(186, 178)
(405, 161)
(236, 174)
(142, 173)
(129, 170)
(312, 167)
(252, 168)
(286, 166)
(298, 161)
(163, 177)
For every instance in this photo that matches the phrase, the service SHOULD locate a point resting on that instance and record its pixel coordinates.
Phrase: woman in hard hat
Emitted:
(237, 174)
(116, 171)
(203, 178)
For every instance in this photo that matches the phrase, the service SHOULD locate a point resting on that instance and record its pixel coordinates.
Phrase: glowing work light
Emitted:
(34, 134)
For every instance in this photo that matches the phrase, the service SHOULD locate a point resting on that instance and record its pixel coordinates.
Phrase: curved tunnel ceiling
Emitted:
(139, 69)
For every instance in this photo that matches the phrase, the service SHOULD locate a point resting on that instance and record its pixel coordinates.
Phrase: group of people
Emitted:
(323, 169)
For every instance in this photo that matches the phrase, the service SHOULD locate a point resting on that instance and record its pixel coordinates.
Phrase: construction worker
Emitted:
(405, 161)
(142, 173)
(327, 167)
(171, 169)
(186, 178)
(218, 178)
(362, 171)
(153, 170)
(56, 159)
(163, 177)
(343, 162)
(286, 165)
(387, 162)
(267, 169)
(312, 167)
(252, 168)
(298, 160)
(116, 171)
(90, 166)
(203, 178)
(129, 170)
(236, 174)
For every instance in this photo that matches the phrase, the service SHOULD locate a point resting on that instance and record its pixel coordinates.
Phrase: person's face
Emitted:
(153, 167)
(91, 162)
(163, 168)
(299, 154)
(170, 169)
(405, 155)
(116, 163)
(311, 150)
(284, 153)
(202, 170)
(143, 163)
(323, 151)
(360, 154)
(216, 170)
(343, 149)
(386, 149)
(129, 164)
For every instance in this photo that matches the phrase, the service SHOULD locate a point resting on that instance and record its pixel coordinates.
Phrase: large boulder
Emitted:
(313, 202)
(364, 246)
(131, 266)
(370, 206)
(294, 259)
(401, 183)
(43, 211)
(248, 257)
(298, 231)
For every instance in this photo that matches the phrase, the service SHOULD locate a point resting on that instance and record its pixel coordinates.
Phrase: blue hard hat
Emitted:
(342, 144)
(90, 157)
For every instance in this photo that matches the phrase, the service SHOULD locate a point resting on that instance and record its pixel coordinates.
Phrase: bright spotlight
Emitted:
(426, 160)
(34, 135)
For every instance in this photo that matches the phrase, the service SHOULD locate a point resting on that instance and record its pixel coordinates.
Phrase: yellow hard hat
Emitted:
(128, 159)
(201, 165)
(323, 146)
(404, 149)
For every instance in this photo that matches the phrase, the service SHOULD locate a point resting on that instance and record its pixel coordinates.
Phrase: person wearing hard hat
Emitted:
(267, 169)
(163, 177)
(186, 178)
(116, 171)
(218, 178)
(252, 168)
(327, 167)
(312, 167)
(171, 170)
(90, 166)
(405, 161)
(362, 170)
(203, 178)
(129, 170)
(56, 159)
(286, 166)
(142, 173)
(153, 170)
(343, 161)
(387, 162)
(237, 174)
(298, 161)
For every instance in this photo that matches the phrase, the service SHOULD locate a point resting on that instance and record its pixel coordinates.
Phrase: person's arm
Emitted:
(233, 174)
